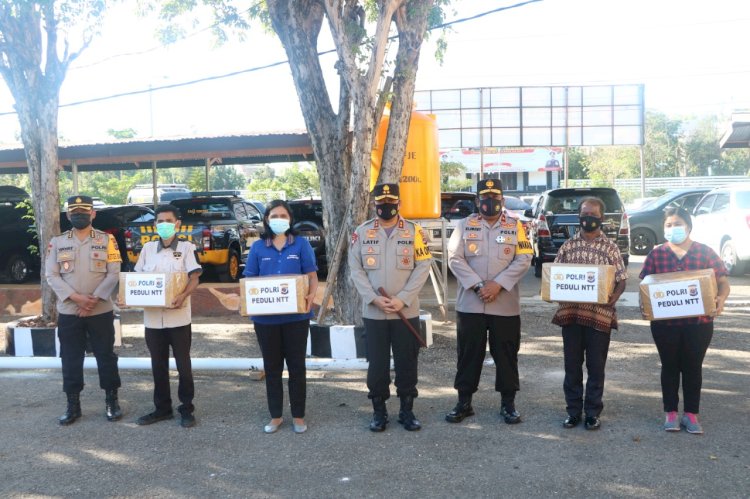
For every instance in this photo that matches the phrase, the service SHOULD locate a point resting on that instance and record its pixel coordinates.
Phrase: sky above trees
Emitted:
(686, 53)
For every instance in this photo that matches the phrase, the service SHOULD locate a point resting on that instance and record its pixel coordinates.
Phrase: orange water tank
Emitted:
(420, 177)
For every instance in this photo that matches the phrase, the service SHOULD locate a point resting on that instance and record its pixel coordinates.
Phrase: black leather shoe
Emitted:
(187, 420)
(572, 421)
(510, 414)
(459, 413)
(154, 417)
(592, 423)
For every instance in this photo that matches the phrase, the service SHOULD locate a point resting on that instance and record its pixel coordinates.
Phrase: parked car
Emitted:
(144, 193)
(19, 236)
(721, 220)
(554, 219)
(308, 222)
(115, 220)
(647, 223)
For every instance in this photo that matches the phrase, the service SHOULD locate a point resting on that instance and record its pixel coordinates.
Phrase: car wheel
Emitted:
(538, 267)
(18, 268)
(734, 265)
(231, 272)
(642, 241)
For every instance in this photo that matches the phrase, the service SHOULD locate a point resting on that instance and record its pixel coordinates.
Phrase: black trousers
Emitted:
(158, 342)
(579, 343)
(504, 335)
(681, 350)
(280, 342)
(73, 332)
(382, 336)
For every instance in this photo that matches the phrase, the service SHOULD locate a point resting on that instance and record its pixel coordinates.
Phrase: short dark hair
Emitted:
(267, 232)
(592, 200)
(167, 208)
(682, 213)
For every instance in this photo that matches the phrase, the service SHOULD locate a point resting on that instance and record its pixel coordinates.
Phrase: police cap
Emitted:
(80, 202)
(382, 191)
(490, 186)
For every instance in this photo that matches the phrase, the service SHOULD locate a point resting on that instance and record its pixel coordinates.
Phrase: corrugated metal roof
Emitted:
(268, 147)
(738, 133)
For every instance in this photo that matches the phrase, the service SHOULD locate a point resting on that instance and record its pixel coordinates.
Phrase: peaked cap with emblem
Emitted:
(382, 191)
(80, 202)
(489, 186)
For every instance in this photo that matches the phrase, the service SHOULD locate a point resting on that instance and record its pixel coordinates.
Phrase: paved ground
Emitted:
(227, 455)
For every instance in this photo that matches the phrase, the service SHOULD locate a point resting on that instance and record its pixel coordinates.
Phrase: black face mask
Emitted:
(80, 220)
(386, 211)
(490, 207)
(590, 223)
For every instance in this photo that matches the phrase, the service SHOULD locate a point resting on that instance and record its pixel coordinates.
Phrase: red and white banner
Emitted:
(507, 159)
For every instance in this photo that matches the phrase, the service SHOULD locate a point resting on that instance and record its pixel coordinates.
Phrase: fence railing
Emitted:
(663, 183)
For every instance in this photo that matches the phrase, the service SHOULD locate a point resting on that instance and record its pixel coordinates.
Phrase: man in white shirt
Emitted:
(167, 327)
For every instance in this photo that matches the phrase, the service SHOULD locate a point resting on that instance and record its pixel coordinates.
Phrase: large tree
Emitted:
(343, 134)
(34, 58)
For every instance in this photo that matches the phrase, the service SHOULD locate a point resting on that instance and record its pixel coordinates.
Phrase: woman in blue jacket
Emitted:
(283, 337)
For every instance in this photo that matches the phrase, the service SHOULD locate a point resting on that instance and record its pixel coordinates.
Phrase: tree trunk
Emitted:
(411, 20)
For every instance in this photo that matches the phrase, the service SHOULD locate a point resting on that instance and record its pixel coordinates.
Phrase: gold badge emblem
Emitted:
(490, 184)
(66, 265)
(78, 200)
(370, 261)
(372, 233)
(472, 247)
(386, 189)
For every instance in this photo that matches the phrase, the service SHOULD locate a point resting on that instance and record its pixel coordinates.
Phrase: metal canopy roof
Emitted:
(738, 134)
(174, 153)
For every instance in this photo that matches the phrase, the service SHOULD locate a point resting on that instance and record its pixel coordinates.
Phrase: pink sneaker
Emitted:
(672, 422)
(691, 424)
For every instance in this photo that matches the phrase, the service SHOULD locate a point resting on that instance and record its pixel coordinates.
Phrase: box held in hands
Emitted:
(273, 295)
(676, 295)
(577, 283)
(140, 289)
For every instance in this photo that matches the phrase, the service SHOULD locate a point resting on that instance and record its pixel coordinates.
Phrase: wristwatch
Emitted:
(477, 287)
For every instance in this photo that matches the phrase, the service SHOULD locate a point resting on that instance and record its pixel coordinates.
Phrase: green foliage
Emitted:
(28, 214)
(451, 175)
(125, 133)
(296, 181)
(220, 177)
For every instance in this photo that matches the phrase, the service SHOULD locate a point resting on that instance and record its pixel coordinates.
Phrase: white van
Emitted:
(144, 193)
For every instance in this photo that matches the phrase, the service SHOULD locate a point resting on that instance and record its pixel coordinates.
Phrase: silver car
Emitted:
(721, 220)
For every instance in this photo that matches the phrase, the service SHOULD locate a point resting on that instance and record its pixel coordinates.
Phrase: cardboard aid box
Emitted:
(273, 295)
(577, 283)
(154, 289)
(674, 295)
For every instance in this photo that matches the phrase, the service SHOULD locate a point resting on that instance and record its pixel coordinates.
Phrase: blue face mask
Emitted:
(279, 225)
(676, 234)
(165, 230)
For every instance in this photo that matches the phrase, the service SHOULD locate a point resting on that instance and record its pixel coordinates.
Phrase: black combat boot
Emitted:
(379, 416)
(406, 416)
(74, 410)
(112, 407)
(508, 409)
(462, 410)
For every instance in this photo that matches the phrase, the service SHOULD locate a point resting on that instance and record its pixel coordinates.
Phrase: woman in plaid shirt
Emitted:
(682, 343)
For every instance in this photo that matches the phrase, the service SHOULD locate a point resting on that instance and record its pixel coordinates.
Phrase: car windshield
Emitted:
(204, 209)
(307, 211)
(453, 208)
(654, 203)
(512, 203)
(567, 200)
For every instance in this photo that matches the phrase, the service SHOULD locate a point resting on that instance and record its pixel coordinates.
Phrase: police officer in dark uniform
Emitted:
(390, 252)
(489, 254)
(83, 267)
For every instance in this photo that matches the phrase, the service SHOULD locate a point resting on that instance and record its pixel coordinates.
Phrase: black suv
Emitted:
(308, 222)
(555, 220)
(18, 236)
(647, 223)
